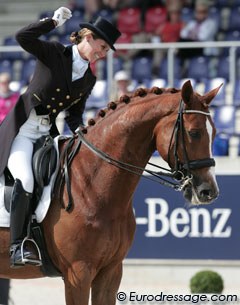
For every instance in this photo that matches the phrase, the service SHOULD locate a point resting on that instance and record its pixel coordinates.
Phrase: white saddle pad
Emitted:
(44, 203)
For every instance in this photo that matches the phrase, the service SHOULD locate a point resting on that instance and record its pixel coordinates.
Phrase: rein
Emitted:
(137, 170)
(180, 173)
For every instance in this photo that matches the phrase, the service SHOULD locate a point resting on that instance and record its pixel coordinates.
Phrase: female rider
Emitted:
(62, 80)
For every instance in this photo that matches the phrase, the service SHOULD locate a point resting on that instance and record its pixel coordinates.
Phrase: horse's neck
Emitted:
(126, 134)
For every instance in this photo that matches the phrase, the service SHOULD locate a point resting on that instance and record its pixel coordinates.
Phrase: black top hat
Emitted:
(104, 29)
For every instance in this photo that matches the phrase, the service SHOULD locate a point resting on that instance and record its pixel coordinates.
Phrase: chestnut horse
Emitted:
(89, 242)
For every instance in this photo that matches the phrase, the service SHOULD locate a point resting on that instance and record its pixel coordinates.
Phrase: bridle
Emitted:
(184, 169)
(181, 172)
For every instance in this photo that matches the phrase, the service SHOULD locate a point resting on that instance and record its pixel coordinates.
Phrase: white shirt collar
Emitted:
(79, 65)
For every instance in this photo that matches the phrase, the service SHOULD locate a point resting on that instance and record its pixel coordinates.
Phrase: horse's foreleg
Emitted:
(77, 282)
(106, 284)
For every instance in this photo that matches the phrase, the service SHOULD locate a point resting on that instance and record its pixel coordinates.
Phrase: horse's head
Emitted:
(184, 139)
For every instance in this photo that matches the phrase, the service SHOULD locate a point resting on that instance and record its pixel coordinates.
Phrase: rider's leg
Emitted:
(19, 165)
(20, 162)
(20, 215)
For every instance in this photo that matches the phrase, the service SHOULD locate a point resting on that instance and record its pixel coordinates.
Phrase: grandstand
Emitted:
(205, 71)
(15, 14)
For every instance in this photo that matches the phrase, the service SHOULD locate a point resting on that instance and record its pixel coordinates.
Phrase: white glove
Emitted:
(61, 15)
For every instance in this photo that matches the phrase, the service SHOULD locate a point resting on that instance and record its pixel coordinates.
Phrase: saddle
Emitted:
(44, 164)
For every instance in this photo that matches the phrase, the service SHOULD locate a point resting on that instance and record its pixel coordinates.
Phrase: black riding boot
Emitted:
(22, 248)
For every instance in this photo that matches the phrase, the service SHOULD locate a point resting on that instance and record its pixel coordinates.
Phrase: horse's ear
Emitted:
(208, 97)
(187, 91)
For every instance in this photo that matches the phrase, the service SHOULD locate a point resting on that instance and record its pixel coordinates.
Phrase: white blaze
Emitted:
(210, 135)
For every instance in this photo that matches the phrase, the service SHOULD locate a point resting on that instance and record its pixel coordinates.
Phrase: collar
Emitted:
(79, 65)
(77, 56)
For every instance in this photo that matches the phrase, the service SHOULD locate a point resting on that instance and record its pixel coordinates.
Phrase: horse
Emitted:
(88, 241)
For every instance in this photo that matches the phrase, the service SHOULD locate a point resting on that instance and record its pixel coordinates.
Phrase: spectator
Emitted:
(121, 86)
(145, 5)
(119, 4)
(8, 98)
(130, 54)
(201, 28)
(170, 30)
(182, 3)
(4, 291)
(91, 7)
(167, 32)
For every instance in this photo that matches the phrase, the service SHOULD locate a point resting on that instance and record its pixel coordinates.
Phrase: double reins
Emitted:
(133, 169)
(181, 171)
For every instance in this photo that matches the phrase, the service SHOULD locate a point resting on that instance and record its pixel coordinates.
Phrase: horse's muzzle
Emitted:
(205, 193)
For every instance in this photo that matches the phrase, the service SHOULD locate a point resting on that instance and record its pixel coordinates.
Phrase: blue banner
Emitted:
(168, 228)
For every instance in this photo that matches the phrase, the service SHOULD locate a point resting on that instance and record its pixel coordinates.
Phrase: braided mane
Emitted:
(140, 92)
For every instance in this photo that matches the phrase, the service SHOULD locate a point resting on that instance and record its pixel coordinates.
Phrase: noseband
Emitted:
(183, 169)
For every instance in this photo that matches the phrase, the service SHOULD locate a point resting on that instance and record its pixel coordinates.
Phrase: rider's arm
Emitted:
(28, 38)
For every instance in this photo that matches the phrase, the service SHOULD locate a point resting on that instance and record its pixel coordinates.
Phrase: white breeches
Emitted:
(20, 158)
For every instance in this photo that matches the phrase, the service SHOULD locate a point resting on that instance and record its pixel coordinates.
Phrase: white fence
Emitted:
(171, 48)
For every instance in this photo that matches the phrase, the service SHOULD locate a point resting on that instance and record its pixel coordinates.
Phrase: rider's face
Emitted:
(94, 49)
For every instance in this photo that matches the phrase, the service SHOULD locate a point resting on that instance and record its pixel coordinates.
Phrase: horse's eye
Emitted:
(195, 134)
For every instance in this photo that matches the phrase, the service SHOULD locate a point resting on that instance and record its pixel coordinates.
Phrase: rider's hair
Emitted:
(77, 37)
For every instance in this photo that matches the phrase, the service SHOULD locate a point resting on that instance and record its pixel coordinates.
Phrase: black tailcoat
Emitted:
(51, 89)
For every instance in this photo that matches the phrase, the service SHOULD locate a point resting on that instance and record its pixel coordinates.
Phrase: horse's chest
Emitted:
(114, 236)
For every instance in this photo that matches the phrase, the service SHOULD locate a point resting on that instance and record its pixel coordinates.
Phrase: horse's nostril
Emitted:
(206, 193)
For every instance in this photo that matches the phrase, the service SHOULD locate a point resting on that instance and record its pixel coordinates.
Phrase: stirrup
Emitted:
(25, 260)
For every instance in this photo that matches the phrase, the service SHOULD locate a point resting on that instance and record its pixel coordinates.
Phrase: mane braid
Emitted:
(156, 90)
(139, 92)
(172, 90)
(125, 99)
(112, 105)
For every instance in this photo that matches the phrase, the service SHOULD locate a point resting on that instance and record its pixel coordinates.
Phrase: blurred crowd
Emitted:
(142, 21)
(139, 21)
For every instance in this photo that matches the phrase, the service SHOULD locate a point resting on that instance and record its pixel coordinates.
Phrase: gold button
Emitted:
(53, 98)
(54, 110)
(48, 106)
(68, 97)
(60, 104)
(58, 89)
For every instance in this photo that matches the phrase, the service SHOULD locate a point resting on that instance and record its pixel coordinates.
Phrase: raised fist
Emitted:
(61, 15)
